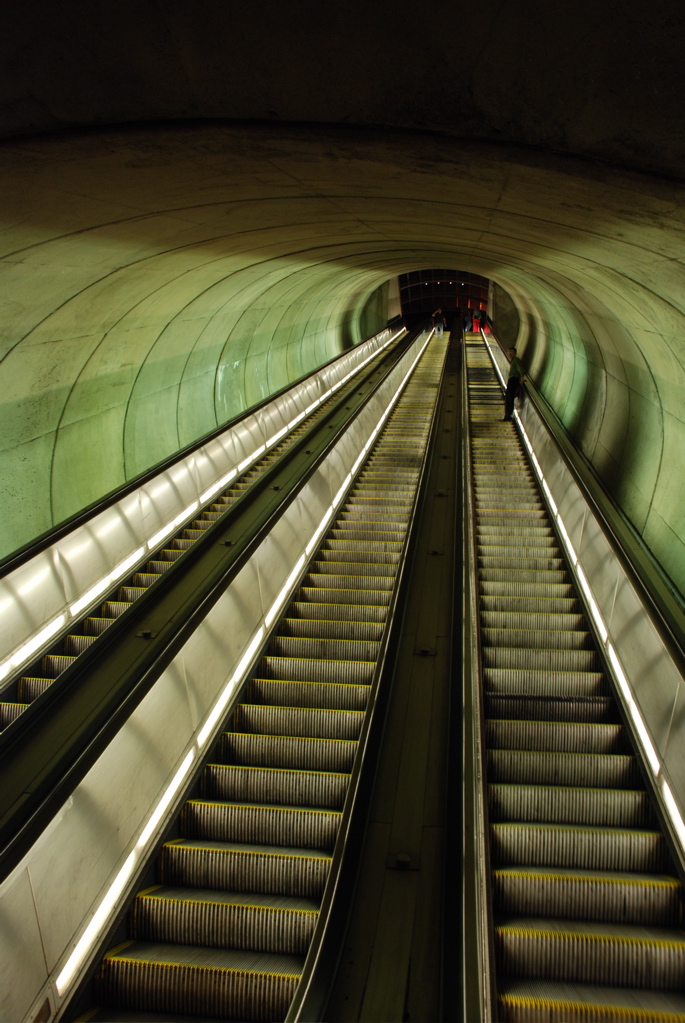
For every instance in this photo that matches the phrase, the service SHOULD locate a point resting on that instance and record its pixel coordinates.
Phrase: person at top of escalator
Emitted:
(438, 321)
(517, 375)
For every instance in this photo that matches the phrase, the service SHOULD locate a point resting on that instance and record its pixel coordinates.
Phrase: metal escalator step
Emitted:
(541, 1001)
(609, 896)
(507, 547)
(538, 639)
(565, 737)
(303, 722)
(324, 648)
(329, 695)
(572, 846)
(248, 784)
(515, 564)
(338, 612)
(334, 546)
(368, 582)
(216, 982)
(75, 645)
(245, 867)
(591, 953)
(144, 579)
(515, 587)
(180, 543)
(616, 808)
(114, 608)
(30, 688)
(128, 594)
(310, 669)
(265, 923)
(380, 553)
(260, 823)
(96, 626)
(9, 712)
(525, 575)
(530, 621)
(522, 767)
(168, 554)
(159, 567)
(108, 1014)
(53, 665)
(313, 628)
(536, 533)
(350, 567)
(505, 681)
(503, 603)
(350, 534)
(541, 660)
(551, 708)
(326, 593)
(192, 534)
(288, 751)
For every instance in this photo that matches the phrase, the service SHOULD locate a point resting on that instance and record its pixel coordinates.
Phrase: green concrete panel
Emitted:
(88, 461)
(25, 479)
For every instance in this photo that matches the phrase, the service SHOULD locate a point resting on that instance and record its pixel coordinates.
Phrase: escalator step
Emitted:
(288, 751)
(369, 583)
(639, 899)
(618, 808)
(546, 683)
(528, 768)
(338, 612)
(304, 722)
(312, 628)
(565, 737)
(179, 978)
(535, 589)
(540, 1001)
(243, 867)
(573, 847)
(591, 953)
(312, 669)
(333, 650)
(260, 824)
(541, 660)
(30, 688)
(9, 712)
(144, 579)
(537, 639)
(530, 621)
(504, 603)
(96, 626)
(328, 695)
(265, 923)
(324, 790)
(551, 708)
(114, 608)
(53, 665)
(75, 645)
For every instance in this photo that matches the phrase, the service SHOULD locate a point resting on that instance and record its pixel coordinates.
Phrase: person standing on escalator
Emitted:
(516, 377)
(438, 322)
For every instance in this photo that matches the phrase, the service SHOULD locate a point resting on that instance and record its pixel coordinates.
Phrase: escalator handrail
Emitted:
(478, 980)
(30, 550)
(659, 596)
(108, 681)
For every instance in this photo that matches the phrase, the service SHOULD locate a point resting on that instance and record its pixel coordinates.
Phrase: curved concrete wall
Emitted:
(155, 281)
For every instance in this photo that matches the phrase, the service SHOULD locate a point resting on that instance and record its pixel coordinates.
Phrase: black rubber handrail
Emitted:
(662, 600)
(51, 536)
(52, 745)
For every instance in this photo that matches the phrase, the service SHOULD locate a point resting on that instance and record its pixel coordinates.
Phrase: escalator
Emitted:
(586, 902)
(37, 678)
(224, 932)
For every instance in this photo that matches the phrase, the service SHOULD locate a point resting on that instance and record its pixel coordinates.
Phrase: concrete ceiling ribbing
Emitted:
(157, 281)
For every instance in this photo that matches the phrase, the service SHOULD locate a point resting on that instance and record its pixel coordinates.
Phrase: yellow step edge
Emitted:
(177, 844)
(610, 1011)
(588, 938)
(290, 738)
(262, 806)
(289, 770)
(667, 882)
(150, 964)
(236, 905)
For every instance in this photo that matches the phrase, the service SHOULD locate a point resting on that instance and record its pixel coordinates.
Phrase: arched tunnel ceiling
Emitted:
(156, 280)
(598, 79)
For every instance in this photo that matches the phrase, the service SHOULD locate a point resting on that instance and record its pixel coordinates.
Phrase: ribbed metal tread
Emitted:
(578, 846)
(616, 808)
(331, 628)
(271, 750)
(575, 769)
(109, 1014)
(545, 1002)
(276, 824)
(576, 684)
(592, 952)
(566, 737)
(325, 695)
(183, 978)
(247, 783)
(240, 920)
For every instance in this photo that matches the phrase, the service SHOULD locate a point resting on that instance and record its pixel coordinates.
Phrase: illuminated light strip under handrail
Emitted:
(22, 653)
(107, 906)
(598, 618)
